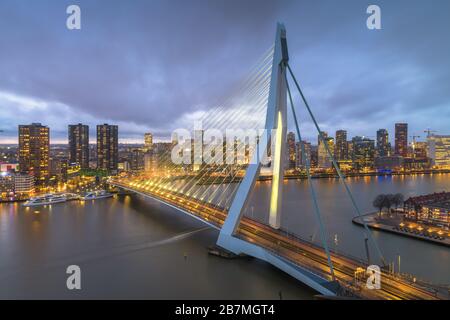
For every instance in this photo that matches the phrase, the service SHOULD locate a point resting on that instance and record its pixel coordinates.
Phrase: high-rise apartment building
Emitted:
(324, 159)
(401, 139)
(363, 152)
(107, 147)
(79, 145)
(148, 142)
(303, 157)
(383, 145)
(341, 148)
(291, 150)
(34, 145)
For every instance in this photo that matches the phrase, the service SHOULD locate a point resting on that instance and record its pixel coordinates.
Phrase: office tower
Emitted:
(401, 139)
(363, 152)
(383, 146)
(291, 150)
(79, 145)
(350, 149)
(301, 158)
(439, 150)
(324, 160)
(34, 144)
(107, 147)
(148, 142)
(341, 149)
(420, 150)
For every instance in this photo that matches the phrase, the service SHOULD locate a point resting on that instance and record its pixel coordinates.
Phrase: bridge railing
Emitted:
(299, 238)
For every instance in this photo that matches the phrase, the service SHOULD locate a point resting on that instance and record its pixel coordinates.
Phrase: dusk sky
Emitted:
(154, 65)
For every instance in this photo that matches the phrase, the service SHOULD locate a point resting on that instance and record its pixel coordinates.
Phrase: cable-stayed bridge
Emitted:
(212, 175)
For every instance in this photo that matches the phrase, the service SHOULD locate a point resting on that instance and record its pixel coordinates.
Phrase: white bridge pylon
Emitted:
(276, 118)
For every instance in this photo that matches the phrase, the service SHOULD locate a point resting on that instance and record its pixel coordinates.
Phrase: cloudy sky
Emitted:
(154, 65)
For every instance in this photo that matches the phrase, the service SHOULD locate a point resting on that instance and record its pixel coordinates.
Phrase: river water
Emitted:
(131, 247)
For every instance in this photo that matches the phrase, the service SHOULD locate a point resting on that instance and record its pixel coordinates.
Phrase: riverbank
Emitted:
(319, 175)
(398, 226)
(368, 174)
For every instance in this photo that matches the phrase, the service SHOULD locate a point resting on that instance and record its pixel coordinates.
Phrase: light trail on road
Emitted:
(297, 251)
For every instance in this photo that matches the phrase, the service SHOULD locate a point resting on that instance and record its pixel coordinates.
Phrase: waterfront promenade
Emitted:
(395, 223)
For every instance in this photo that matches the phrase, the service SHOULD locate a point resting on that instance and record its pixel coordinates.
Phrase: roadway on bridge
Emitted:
(298, 251)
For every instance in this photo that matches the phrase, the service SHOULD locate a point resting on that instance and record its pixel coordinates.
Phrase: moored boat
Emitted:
(47, 199)
(97, 195)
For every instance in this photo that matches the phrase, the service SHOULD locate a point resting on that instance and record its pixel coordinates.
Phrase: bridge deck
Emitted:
(296, 251)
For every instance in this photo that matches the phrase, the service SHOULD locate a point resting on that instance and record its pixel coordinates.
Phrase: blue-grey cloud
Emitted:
(148, 65)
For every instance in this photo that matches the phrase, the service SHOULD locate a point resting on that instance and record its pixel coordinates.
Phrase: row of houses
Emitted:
(433, 209)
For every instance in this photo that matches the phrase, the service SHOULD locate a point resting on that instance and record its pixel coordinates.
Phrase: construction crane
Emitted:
(429, 132)
(414, 138)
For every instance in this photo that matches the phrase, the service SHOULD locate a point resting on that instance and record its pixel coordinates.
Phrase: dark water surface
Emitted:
(127, 247)
(427, 261)
(130, 247)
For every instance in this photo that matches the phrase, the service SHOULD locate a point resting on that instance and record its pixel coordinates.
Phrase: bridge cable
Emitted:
(194, 179)
(208, 169)
(323, 233)
(340, 174)
(234, 117)
(160, 183)
(217, 180)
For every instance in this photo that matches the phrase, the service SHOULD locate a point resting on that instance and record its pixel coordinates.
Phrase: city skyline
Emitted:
(91, 132)
(276, 150)
(356, 155)
(140, 81)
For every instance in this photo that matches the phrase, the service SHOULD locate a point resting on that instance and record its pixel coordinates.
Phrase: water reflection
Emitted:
(122, 247)
(36, 243)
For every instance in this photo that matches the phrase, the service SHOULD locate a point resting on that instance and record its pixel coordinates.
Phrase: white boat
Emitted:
(97, 195)
(72, 196)
(47, 199)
